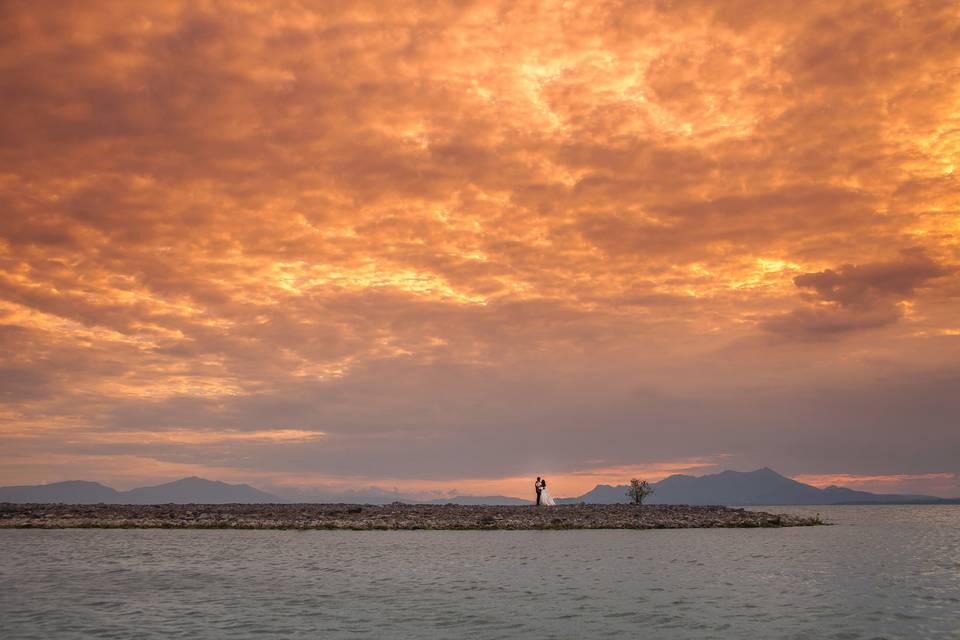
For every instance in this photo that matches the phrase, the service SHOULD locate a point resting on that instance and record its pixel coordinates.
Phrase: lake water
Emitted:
(880, 572)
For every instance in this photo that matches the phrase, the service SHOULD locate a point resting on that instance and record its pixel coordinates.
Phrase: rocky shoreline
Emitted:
(387, 517)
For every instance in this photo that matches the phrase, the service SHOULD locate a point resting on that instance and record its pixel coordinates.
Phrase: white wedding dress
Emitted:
(546, 499)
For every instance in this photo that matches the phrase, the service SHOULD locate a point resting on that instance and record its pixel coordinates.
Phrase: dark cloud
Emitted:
(867, 284)
(856, 297)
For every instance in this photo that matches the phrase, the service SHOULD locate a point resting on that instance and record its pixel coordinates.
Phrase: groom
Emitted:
(538, 485)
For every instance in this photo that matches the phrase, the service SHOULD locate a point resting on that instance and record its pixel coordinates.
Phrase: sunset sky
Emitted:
(451, 246)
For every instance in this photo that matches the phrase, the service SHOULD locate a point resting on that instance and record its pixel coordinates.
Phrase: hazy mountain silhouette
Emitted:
(738, 488)
(384, 497)
(196, 490)
(760, 487)
(186, 491)
(69, 492)
(199, 491)
(363, 495)
(494, 500)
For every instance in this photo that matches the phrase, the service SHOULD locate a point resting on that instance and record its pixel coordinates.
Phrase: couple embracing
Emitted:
(543, 496)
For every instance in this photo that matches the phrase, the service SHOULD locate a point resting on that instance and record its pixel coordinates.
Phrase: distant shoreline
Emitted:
(388, 517)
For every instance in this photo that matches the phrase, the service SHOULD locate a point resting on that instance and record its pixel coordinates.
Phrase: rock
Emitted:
(392, 516)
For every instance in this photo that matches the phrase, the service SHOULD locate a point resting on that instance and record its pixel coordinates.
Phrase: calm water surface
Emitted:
(881, 572)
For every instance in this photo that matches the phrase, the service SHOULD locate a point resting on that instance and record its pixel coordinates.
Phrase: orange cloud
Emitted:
(467, 240)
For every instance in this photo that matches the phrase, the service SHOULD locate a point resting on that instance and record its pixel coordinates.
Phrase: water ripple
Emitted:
(889, 572)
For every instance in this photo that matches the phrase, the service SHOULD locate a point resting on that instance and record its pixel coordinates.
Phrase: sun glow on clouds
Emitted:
(468, 242)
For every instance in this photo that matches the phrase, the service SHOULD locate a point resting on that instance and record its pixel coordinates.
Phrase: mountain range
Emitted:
(191, 490)
(743, 488)
(735, 488)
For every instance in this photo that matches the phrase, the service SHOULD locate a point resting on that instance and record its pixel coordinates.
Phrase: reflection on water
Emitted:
(879, 572)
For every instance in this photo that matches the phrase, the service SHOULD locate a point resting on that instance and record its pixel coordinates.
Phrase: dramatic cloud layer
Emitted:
(450, 245)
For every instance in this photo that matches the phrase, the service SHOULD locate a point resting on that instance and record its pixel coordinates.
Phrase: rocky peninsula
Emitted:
(387, 517)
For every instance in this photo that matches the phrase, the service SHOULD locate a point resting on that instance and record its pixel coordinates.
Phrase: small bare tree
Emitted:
(638, 490)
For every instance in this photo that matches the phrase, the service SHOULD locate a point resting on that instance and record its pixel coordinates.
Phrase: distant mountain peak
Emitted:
(762, 486)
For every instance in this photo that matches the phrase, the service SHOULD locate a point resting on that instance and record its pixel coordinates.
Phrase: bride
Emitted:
(545, 497)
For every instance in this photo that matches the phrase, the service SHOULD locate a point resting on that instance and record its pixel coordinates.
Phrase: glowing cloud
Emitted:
(469, 241)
